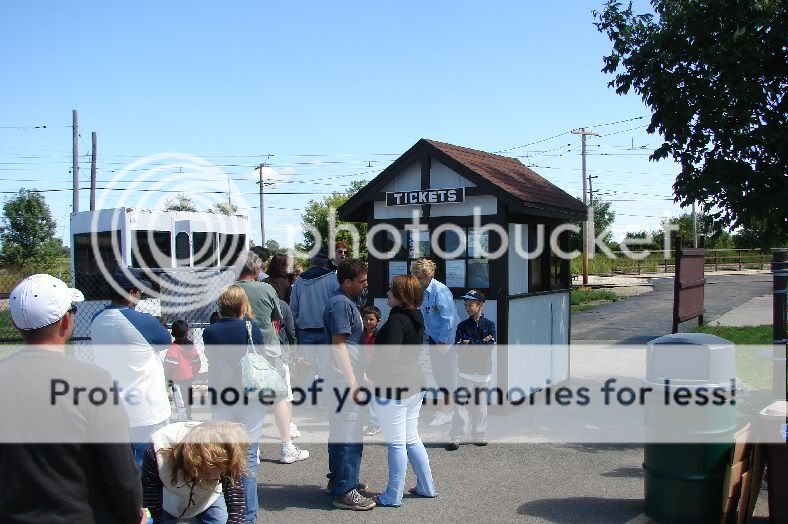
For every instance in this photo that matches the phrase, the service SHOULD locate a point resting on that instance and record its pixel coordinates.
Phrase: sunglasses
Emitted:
(342, 251)
(73, 309)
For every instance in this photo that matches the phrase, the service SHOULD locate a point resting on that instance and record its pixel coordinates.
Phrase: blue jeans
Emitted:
(345, 447)
(399, 420)
(215, 514)
(139, 436)
(252, 418)
(309, 343)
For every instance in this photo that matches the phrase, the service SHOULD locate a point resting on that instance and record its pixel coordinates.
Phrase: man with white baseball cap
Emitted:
(64, 461)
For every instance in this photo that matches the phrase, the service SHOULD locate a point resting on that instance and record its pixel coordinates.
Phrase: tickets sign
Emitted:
(426, 196)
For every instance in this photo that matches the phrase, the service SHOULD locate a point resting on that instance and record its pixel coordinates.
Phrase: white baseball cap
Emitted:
(41, 300)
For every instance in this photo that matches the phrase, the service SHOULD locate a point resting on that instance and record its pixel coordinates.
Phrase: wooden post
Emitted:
(75, 160)
(93, 173)
(779, 328)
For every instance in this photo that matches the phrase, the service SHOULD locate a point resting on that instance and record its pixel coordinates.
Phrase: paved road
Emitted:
(644, 317)
(539, 483)
(499, 483)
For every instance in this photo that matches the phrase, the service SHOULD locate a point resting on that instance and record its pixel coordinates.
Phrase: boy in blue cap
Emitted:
(475, 341)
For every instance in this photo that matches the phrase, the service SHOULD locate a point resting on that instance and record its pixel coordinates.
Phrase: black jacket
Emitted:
(395, 364)
(476, 356)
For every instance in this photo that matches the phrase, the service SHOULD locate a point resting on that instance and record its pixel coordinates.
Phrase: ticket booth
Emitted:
(464, 198)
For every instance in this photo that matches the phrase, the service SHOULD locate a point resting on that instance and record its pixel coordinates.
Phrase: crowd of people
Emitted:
(207, 472)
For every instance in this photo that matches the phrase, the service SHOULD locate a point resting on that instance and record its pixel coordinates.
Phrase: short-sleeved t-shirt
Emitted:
(342, 317)
(265, 305)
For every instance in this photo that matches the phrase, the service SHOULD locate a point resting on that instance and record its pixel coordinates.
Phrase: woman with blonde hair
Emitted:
(192, 471)
(225, 344)
(397, 383)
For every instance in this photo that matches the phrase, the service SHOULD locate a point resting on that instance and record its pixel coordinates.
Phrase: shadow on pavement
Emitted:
(601, 448)
(623, 473)
(280, 497)
(583, 509)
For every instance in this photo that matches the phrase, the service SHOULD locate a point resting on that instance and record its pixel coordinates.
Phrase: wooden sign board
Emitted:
(426, 196)
(688, 288)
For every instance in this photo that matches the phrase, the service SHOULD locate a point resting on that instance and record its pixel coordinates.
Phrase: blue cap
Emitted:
(474, 294)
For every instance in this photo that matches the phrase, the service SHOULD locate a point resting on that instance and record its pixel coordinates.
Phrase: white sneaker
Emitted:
(294, 433)
(440, 419)
(292, 454)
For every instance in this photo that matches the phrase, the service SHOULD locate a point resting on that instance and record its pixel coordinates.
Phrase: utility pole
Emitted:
(694, 227)
(262, 209)
(93, 173)
(586, 236)
(75, 160)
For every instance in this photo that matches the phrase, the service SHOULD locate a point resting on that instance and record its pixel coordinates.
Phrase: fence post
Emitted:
(739, 261)
(780, 339)
(638, 264)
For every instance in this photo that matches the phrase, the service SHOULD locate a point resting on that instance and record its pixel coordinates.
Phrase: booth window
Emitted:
(182, 251)
(414, 244)
(88, 276)
(547, 272)
(151, 249)
(230, 248)
(204, 249)
(471, 269)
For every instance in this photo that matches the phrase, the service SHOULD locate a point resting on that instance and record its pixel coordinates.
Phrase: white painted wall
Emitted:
(441, 176)
(409, 179)
(518, 266)
(488, 205)
(541, 320)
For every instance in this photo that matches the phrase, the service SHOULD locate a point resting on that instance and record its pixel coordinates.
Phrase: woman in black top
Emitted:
(398, 381)
(278, 276)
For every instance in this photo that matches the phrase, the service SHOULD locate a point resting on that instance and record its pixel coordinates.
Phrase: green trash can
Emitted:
(688, 450)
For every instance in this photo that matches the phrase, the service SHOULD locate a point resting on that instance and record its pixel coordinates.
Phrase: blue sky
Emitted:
(327, 88)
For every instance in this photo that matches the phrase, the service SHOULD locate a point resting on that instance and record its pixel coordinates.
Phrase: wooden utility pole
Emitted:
(694, 227)
(586, 233)
(262, 209)
(93, 173)
(75, 160)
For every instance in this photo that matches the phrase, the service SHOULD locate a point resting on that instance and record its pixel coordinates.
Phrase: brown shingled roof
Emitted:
(511, 176)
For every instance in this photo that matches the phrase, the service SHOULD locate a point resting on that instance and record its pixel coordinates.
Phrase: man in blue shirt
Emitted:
(440, 321)
(342, 367)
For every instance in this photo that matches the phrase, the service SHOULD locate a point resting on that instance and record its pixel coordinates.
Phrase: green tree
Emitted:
(317, 214)
(181, 202)
(604, 216)
(274, 247)
(28, 231)
(224, 208)
(714, 74)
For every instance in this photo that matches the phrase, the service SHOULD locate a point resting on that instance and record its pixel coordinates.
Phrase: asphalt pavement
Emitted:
(641, 318)
(539, 483)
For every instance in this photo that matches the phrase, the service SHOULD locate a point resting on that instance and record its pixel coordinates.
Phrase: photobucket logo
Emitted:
(520, 239)
(148, 241)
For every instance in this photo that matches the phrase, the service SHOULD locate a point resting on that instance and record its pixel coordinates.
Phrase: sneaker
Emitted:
(454, 445)
(440, 419)
(355, 501)
(412, 491)
(360, 487)
(292, 454)
(294, 433)
(372, 431)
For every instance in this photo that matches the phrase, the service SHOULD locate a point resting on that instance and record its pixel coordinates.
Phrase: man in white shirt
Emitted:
(125, 343)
